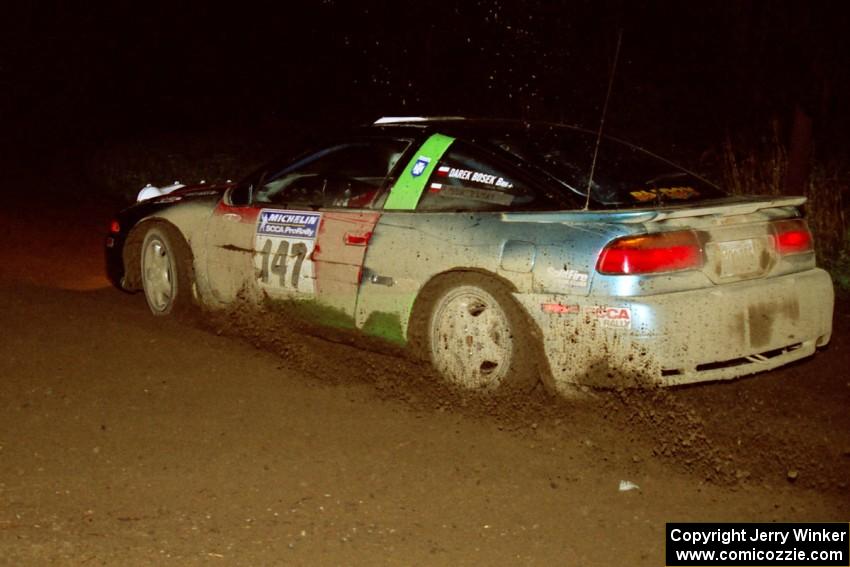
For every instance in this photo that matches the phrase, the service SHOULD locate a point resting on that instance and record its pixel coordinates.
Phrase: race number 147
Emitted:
(276, 264)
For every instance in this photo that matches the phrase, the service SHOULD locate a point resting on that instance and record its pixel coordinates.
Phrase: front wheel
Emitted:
(479, 339)
(167, 275)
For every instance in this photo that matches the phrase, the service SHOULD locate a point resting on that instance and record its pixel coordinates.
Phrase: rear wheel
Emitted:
(478, 338)
(167, 275)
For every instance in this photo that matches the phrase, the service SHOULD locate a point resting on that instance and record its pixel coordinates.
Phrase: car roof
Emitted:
(472, 128)
(458, 126)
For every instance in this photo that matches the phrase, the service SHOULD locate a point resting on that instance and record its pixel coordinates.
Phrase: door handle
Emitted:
(381, 280)
(357, 238)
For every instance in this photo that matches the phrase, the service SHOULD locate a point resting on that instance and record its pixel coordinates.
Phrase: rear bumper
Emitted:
(716, 333)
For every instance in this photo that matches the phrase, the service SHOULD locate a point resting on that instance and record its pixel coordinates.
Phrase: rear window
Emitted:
(625, 175)
(468, 179)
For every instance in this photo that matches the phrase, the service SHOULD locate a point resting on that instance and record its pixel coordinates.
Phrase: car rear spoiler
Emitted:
(725, 208)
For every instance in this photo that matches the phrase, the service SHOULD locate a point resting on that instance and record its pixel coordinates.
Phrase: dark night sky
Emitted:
(688, 72)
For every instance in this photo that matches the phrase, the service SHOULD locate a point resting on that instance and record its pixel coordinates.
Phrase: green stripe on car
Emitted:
(408, 189)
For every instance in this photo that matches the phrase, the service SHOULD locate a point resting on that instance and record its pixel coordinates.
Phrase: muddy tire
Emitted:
(478, 338)
(166, 272)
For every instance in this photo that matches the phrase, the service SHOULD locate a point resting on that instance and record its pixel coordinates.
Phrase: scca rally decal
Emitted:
(288, 224)
(610, 317)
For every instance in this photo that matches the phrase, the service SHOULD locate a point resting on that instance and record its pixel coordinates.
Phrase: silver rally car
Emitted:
(476, 243)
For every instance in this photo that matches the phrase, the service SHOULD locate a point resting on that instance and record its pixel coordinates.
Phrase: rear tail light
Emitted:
(792, 237)
(114, 227)
(651, 254)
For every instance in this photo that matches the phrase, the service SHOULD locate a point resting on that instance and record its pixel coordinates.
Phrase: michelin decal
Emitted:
(283, 252)
(289, 224)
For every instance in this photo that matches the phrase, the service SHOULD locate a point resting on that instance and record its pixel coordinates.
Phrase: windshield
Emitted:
(625, 175)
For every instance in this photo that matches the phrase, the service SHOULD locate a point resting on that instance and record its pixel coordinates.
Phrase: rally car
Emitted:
(490, 247)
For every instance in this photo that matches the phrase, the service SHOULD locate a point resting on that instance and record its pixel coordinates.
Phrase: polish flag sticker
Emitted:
(443, 170)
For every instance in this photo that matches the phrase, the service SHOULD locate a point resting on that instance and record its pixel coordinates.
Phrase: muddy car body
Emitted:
(475, 242)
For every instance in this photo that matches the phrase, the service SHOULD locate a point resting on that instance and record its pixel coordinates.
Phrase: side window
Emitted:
(467, 179)
(348, 175)
(240, 196)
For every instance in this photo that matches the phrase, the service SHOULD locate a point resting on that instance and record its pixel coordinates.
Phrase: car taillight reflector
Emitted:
(651, 254)
(792, 237)
(559, 308)
(114, 227)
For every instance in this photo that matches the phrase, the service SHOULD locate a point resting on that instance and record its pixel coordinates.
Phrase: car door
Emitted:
(343, 240)
(310, 225)
(229, 247)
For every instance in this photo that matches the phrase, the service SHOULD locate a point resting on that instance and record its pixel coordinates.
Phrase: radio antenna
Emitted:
(602, 120)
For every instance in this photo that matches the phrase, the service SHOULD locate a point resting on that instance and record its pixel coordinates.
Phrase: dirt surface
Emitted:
(132, 440)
